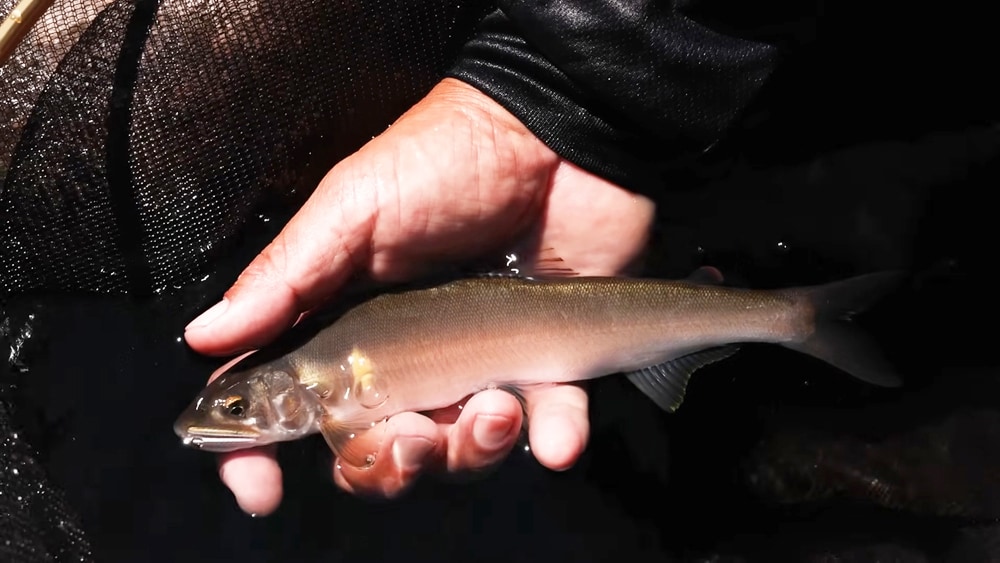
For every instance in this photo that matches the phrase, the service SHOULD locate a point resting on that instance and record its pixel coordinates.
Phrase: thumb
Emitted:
(316, 252)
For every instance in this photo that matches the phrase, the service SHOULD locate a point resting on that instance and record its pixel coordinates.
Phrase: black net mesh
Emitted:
(137, 138)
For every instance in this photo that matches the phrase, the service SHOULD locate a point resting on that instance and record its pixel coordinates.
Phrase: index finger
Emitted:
(311, 257)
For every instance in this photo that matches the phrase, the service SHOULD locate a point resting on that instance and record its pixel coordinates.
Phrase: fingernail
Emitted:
(409, 452)
(208, 316)
(491, 432)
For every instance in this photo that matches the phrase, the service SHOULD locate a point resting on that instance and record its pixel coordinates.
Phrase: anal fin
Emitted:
(666, 383)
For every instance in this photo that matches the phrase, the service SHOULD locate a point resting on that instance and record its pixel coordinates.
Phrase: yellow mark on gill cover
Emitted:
(361, 366)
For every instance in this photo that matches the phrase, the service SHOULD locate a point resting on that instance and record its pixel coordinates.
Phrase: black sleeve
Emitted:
(618, 87)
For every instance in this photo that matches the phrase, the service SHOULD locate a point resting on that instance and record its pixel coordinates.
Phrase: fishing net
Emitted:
(138, 137)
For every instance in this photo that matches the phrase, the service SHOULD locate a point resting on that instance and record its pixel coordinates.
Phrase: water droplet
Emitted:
(369, 460)
(253, 515)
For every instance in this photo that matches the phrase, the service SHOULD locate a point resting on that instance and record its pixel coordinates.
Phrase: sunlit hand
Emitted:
(456, 177)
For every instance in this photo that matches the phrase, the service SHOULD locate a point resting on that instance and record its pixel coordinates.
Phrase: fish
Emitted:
(428, 348)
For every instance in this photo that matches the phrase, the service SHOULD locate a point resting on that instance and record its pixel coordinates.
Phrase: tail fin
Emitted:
(838, 342)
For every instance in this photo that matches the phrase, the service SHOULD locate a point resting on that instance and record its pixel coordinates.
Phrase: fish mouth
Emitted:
(217, 439)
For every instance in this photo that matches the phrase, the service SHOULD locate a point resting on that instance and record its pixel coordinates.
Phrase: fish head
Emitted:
(249, 407)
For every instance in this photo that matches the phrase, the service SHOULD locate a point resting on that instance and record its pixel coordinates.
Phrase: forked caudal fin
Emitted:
(838, 342)
(834, 339)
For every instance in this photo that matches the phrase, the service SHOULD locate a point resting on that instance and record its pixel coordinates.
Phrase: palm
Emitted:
(445, 197)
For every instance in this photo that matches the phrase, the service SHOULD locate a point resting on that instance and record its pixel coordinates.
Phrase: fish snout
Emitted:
(216, 439)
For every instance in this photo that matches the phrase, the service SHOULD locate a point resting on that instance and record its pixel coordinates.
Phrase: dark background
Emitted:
(874, 148)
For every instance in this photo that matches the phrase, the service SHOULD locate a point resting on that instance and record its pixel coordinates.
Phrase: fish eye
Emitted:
(237, 409)
(236, 406)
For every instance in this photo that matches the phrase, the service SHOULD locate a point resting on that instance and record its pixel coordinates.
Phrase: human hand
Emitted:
(455, 177)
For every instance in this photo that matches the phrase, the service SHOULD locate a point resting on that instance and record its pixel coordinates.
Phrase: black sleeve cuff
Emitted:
(621, 91)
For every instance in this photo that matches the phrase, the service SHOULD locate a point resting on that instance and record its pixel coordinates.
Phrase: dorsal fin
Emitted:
(547, 264)
(706, 275)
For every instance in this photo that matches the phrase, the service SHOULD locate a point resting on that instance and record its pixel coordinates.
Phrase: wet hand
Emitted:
(456, 177)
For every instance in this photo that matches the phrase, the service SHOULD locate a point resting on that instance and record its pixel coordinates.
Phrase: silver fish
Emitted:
(425, 349)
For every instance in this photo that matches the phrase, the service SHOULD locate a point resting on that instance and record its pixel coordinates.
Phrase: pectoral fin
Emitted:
(342, 439)
(666, 383)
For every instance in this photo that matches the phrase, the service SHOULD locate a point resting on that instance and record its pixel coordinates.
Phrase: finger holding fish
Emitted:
(558, 424)
(484, 433)
(408, 445)
(254, 477)
(397, 450)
